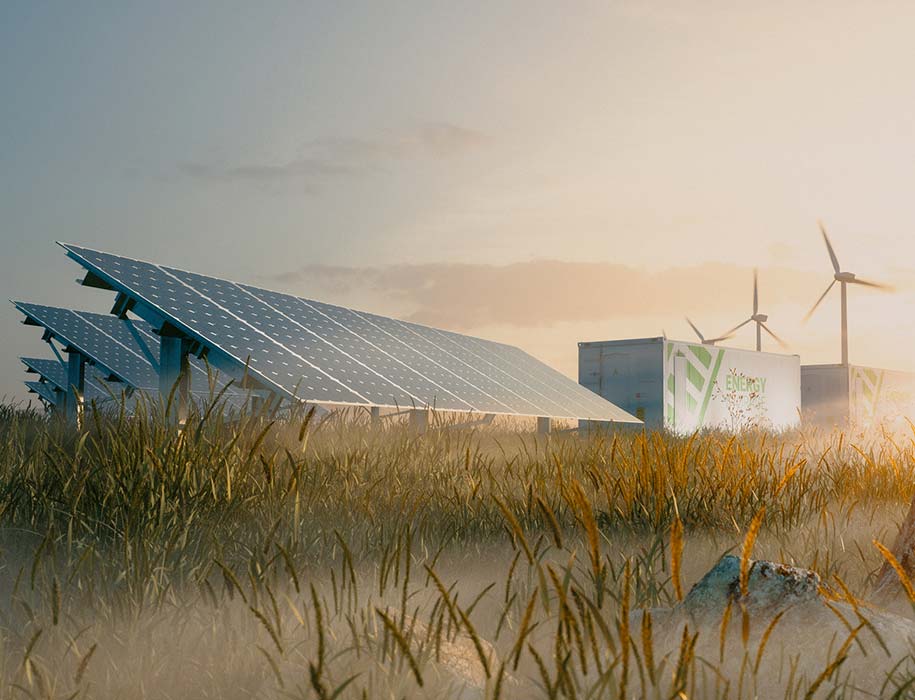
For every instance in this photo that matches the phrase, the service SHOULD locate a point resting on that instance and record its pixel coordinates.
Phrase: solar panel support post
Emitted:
(419, 420)
(60, 403)
(375, 412)
(76, 386)
(262, 403)
(174, 369)
(544, 425)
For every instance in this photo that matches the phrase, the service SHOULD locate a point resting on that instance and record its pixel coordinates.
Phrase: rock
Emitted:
(810, 634)
(771, 587)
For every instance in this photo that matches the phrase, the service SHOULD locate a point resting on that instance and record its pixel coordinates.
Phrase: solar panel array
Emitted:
(321, 353)
(125, 351)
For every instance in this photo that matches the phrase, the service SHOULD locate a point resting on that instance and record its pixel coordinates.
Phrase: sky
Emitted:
(538, 173)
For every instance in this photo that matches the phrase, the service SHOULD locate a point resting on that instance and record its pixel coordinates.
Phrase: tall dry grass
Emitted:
(273, 558)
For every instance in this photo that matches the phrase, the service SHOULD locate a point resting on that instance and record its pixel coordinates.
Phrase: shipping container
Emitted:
(683, 386)
(855, 396)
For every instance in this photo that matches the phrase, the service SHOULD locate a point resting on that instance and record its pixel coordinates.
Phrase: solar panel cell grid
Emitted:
(480, 394)
(56, 376)
(411, 388)
(92, 341)
(278, 362)
(554, 381)
(43, 390)
(506, 373)
(301, 340)
(526, 370)
(476, 371)
(443, 389)
(51, 370)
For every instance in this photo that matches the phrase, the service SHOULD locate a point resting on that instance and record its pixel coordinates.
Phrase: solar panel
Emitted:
(44, 390)
(121, 350)
(313, 351)
(55, 373)
(52, 370)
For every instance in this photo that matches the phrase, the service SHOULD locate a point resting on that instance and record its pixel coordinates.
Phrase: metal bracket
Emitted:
(122, 304)
(142, 343)
(56, 352)
(93, 280)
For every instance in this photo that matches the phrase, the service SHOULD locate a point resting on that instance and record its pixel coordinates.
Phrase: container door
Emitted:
(859, 406)
(682, 422)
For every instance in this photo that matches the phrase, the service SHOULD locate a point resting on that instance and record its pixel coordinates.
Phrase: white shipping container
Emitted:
(862, 397)
(684, 386)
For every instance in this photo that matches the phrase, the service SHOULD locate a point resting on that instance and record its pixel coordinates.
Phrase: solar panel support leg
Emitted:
(76, 387)
(60, 403)
(544, 425)
(419, 420)
(376, 414)
(174, 369)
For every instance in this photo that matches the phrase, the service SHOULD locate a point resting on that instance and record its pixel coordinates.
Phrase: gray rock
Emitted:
(812, 632)
(772, 588)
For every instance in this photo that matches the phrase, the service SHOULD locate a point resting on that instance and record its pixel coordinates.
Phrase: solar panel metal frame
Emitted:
(468, 354)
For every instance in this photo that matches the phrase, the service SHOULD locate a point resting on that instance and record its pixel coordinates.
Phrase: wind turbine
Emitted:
(844, 279)
(702, 338)
(757, 318)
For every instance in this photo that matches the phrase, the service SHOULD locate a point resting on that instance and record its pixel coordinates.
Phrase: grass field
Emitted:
(335, 559)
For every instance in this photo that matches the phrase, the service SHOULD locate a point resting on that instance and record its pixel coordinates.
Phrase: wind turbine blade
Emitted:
(868, 283)
(755, 291)
(721, 338)
(832, 253)
(822, 296)
(777, 339)
(695, 330)
(730, 333)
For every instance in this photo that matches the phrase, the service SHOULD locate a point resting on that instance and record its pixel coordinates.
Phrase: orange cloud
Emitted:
(546, 292)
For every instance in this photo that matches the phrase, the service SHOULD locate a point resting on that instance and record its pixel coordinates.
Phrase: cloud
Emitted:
(543, 293)
(306, 169)
(328, 159)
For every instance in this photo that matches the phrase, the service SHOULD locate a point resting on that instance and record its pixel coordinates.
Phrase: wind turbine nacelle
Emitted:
(760, 318)
(845, 277)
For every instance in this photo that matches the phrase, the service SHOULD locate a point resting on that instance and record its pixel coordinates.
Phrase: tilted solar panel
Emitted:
(52, 370)
(88, 334)
(309, 350)
(122, 350)
(96, 389)
(43, 390)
